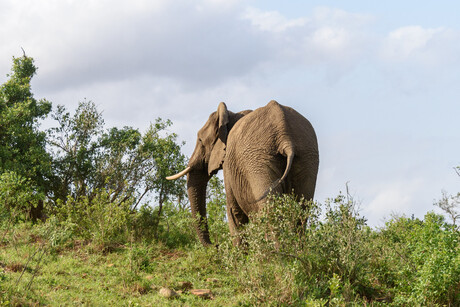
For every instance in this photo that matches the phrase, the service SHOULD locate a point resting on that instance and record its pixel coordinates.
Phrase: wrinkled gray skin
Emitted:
(272, 148)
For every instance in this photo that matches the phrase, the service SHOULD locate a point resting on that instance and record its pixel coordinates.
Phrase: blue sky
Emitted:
(389, 13)
(378, 80)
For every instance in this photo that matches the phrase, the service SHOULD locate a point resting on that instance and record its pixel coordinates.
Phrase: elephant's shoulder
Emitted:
(273, 106)
(275, 109)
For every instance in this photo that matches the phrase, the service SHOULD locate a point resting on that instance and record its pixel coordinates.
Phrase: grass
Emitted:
(331, 259)
(127, 275)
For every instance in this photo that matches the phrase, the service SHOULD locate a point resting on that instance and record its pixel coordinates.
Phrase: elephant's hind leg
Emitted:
(303, 176)
(236, 218)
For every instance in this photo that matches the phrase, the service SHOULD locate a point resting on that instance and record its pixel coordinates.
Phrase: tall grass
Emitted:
(293, 252)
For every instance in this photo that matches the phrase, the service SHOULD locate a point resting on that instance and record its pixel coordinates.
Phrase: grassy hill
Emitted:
(109, 257)
(82, 273)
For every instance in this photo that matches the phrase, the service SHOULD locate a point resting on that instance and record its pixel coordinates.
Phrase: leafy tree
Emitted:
(167, 158)
(88, 159)
(74, 148)
(22, 145)
(450, 204)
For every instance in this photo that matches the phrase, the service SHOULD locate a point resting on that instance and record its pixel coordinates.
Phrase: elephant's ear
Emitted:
(217, 157)
(222, 112)
(218, 151)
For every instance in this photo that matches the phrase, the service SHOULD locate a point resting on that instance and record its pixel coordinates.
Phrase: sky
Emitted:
(378, 80)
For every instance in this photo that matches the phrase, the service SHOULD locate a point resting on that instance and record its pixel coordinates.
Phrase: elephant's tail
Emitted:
(289, 152)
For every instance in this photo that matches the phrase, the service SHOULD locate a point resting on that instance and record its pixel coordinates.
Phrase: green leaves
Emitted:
(216, 211)
(80, 157)
(87, 158)
(426, 266)
(17, 196)
(22, 145)
(167, 159)
(297, 251)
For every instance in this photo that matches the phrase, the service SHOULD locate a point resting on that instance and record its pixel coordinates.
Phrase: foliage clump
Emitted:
(127, 164)
(295, 252)
(23, 152)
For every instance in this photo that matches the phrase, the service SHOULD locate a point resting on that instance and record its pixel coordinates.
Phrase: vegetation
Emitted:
(22, 145)
(86, 217)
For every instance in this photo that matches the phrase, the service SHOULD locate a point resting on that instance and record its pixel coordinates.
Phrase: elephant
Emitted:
(272, 149)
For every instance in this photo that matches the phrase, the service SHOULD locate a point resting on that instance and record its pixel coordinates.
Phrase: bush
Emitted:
(216, 211)
(291, 254)
(294, 252)
(58, 234)
(144, 223)
(101, 220)
(173, 226)
(423, 260)
(17, 197)
(106, 222)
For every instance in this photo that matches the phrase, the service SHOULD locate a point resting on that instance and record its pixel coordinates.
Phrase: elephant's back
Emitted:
(273, 124)
(256, 152)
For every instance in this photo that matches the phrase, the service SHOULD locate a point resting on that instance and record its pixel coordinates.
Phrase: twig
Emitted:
(38, 264)
(27, 264)
(457, 170)
(36, 268)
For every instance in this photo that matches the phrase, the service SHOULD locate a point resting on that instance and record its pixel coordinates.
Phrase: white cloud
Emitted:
(203, 43)
(331, 40)
(336, 17)
(329, 35)
(83, 42)
(393, 197)
(425, 46)
(416, 59)
(271, 21)
(398, 197)
(406, 41)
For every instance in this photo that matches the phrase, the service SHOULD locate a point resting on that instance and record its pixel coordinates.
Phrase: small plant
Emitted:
(422, 260)
(17, 197)
(145, 223)
(216, 211)
(175, 227)
(294, 252)
(101, 220)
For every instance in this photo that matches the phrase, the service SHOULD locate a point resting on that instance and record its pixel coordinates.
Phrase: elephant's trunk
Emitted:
(196, 188)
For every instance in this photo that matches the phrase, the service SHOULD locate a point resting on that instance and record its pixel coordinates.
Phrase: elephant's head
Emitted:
(206, 160)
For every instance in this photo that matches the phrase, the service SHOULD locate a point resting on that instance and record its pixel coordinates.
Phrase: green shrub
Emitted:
(101, 220)
(296, 251)
(107, 222)
(422, 260)
(17, 197)
(175, 228)
(216, 211)
(292, 253)
(58, 234)
(145, 223)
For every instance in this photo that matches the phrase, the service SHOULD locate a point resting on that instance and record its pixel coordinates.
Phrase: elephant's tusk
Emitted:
(178, 175)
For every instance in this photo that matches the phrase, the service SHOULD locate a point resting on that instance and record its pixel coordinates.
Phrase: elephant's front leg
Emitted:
(236, 218)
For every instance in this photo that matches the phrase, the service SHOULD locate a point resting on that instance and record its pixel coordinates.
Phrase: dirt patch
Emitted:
(172, 254)
(14, 267)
